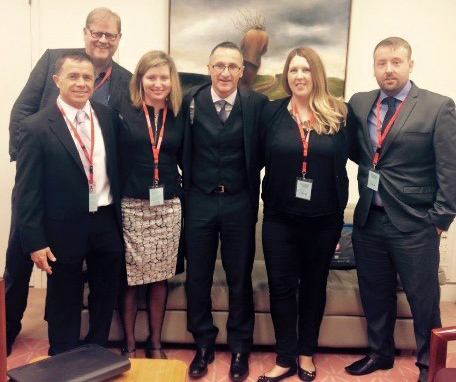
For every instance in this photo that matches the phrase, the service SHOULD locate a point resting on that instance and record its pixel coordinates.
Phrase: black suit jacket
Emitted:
(417, 165)
(344, 143)
(52, 187)
(251, 103)
(40, 91)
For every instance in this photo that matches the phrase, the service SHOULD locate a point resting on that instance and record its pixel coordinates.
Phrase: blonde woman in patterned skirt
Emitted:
(150, 146)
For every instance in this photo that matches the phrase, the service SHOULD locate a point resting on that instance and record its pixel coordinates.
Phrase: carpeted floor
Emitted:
(32, 343)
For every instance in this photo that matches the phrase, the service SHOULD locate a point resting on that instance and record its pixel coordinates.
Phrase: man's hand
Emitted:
(40, 258)
(439, 230)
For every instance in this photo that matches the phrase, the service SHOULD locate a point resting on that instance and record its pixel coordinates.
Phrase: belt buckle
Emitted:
(220, 189)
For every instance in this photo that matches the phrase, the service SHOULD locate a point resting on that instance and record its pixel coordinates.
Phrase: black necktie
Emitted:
(391, 102)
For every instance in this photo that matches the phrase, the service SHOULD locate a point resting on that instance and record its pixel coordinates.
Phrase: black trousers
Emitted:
(65, 286)
(297, 252)
(18, 269)
(232, 219)
(381, 253)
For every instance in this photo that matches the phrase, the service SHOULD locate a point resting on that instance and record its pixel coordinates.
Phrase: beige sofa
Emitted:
(343, 324)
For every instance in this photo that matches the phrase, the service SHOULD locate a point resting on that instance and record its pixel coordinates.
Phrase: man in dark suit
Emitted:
(221, 181)
(407, 183)
(102, 34)
(69, 203)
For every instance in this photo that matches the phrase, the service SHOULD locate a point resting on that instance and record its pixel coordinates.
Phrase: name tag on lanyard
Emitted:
(93, 202)
(156, 196)
(303, 185)
(373, 180)
(303, 188)
(156, 192)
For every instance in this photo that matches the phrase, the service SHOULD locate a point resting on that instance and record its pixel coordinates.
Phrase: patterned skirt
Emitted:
(151, 236)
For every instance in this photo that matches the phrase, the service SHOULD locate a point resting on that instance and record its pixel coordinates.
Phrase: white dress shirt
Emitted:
(102, 184)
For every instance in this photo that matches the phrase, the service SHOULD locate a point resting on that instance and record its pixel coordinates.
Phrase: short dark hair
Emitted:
(394, 43)
(75, 55)
(227, 45)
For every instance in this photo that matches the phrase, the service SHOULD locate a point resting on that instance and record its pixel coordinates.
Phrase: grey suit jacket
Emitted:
(417, 164)
(40, 91)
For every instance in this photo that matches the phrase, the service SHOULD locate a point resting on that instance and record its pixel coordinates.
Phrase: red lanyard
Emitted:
(106, 76)
(155, 146)
(304, 138)
(81, 144)
(381, 137)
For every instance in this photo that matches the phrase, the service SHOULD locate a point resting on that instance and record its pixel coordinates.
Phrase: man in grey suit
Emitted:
(407, 187)
(102, 34)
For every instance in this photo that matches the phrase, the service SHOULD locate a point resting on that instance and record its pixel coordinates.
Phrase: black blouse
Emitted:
(136, 159)
(327, 156)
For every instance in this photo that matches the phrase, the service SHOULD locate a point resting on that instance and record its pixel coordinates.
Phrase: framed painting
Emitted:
(265, 32)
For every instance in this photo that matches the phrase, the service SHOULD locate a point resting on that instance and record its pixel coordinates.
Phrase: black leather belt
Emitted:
(220, 189)
(377, 208)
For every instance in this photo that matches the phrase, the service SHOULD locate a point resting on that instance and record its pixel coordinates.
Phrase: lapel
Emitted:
(206, 99)
(58, 125)
(367, 107)
(338, 145)
(247, 109)
(113, 85)
(409, 105)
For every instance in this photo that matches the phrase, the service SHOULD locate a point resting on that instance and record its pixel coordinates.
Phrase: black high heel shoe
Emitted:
(154, 353)
(124, 352)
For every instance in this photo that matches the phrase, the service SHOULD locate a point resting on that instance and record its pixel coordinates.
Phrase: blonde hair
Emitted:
(149, 60)
(327, 109)
(103, 13)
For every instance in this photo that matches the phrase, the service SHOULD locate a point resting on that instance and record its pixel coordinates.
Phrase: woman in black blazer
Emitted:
(307, 139)
(150, 148)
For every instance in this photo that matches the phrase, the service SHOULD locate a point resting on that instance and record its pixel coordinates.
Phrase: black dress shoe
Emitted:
(291, 371)
(368, 365)
(423, 377)
(198, 367)
(239, 368)
(305, 375)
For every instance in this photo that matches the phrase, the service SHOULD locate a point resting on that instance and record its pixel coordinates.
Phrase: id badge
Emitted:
(373, 180)
(303, 188)
(156, 196)
(93, 202)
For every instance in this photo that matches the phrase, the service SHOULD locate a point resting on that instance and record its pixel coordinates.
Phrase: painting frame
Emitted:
(319, 39)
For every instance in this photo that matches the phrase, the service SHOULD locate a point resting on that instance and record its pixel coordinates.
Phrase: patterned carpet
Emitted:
(330, 366)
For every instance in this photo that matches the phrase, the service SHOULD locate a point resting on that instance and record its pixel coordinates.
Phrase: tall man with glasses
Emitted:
(221, 181)
(102, 34)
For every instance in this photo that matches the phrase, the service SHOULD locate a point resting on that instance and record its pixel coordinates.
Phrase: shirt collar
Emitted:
(399, 96)
(103, 72)
(71, 111)
(230, 99)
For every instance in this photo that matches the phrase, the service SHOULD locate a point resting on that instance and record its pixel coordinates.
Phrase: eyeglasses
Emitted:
(219, 68)
(98, 35)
